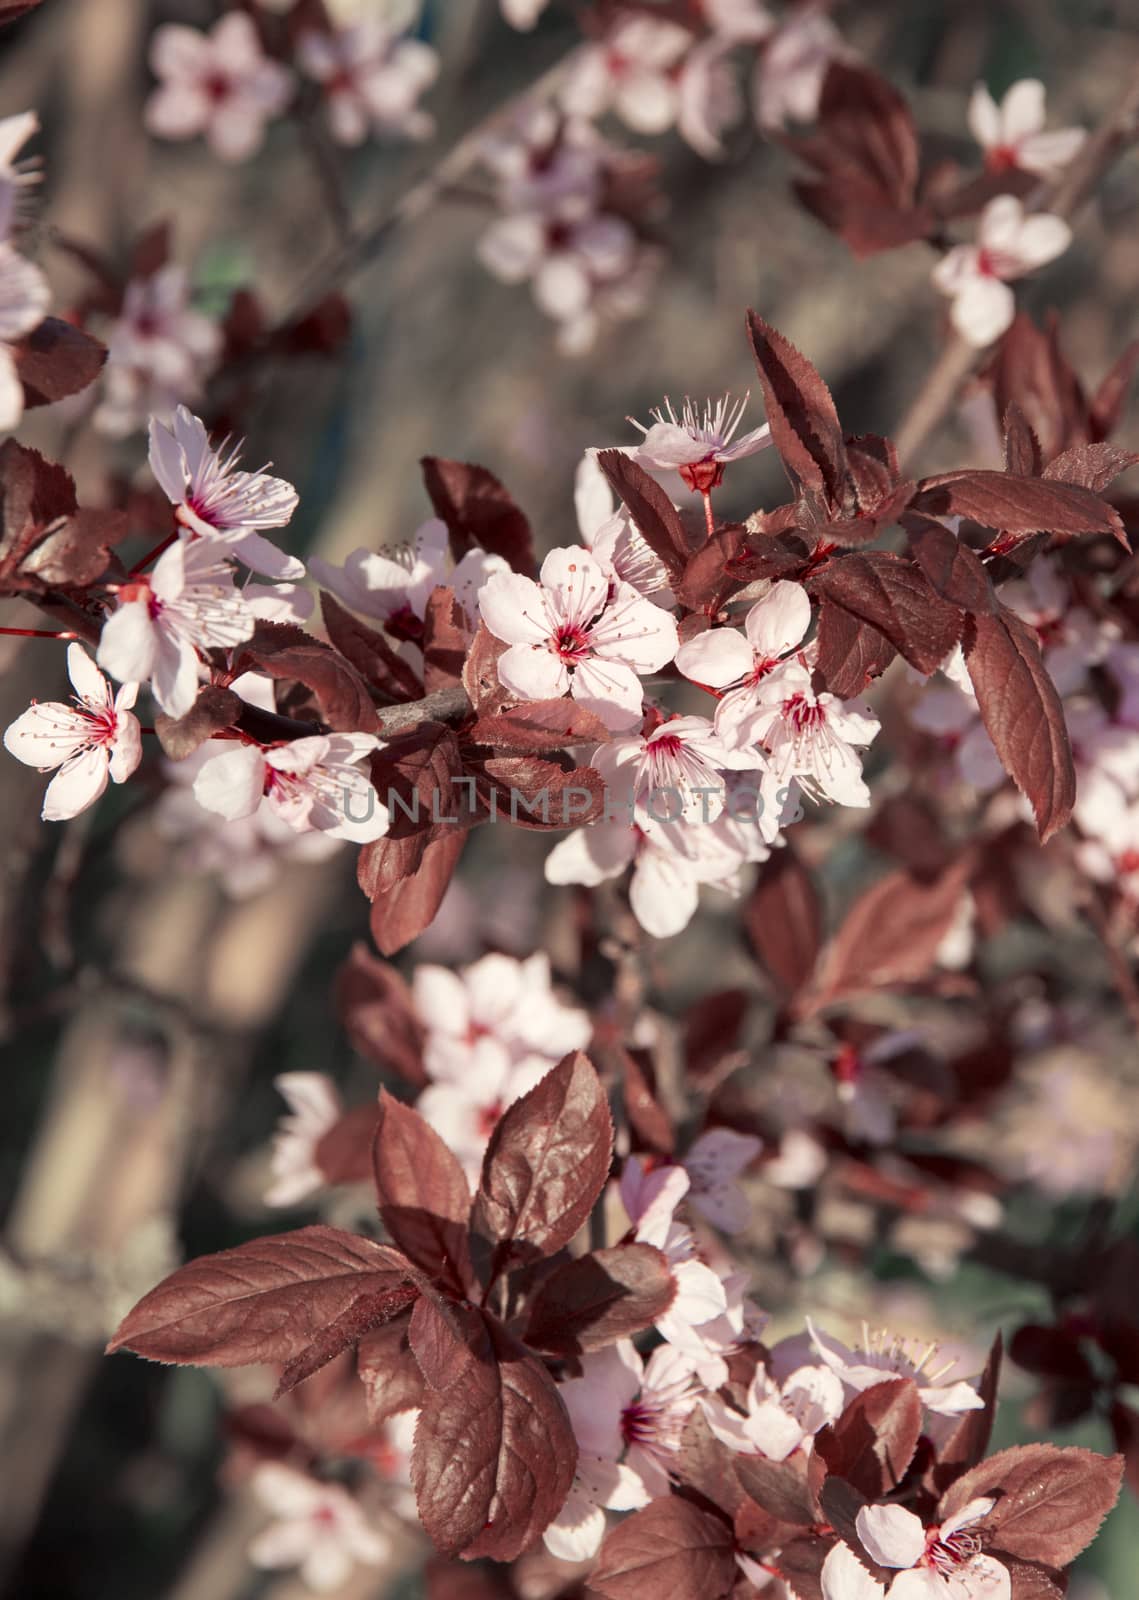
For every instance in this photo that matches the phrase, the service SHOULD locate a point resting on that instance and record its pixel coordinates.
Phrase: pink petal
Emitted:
(576, 585)
(515, 609)
(845, 1578)
(533, 672)
(1022, 111)
(984, 118)
(609, 689)
(891, 1535)
(77, 785)
(716, 658)
(231, 784)
(778, 622)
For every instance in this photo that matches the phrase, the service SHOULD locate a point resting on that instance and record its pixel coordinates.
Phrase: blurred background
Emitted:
(145, 1012)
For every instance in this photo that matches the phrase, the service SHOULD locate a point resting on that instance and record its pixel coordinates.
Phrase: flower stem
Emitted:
(708, 517)
(38, 633)
(152, 555)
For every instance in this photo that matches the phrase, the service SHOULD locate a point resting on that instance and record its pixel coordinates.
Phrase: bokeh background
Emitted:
(144, 1015)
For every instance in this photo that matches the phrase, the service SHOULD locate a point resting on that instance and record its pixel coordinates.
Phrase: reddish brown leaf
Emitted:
(340, 691)
(375, 1006)
(952, 568)
(801, 1563)
(494, 1452)
(423, 1194)
(263, 1301)
(533, 793)
(890, 935)
(650, 508)
(480, 674)
(804, 423)
(891, 595)
(344, 1153)
(873, 1442)
(670, 1548)
(344, 1332)
(479, 512)
(547, 1162)
(1022, 714)
(705, 1464)
(445, 641)
(369, 652)
(414, 774)
(712, 1028)
(850, 654)
(401, 913)
(710, 578)
(1004, 501)
(780, 1487)
(1091, 466)
(970, 1437)
(56, 359)
(1050, 1501)
(538, 725)
(213, 710)
(784, 921)
(596, 1299)
(1022, 447)
(77, 550)
(1110, 397)
(388, 1370)
(649, 1121)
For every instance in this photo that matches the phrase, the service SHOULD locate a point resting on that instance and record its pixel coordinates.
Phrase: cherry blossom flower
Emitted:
(314, 1108)
(631, 72)
(219, 84)
(738, 663)
(1071, 639)
(674, 774)
(699, 444)
(310, 783)
(740, 21)
(24, 300)
(167, 617)
(780, 1417)
(245, 853)
(624, 1406)
(495, 1012)
(372, 80)
(976, 276)
(396, 586)
(791, 67)
(16, 177)
(91, 740)
(650, 1198)
(811, 738)
(1012, 133)
(940, 1563)
(950, 713)
(598, 1486)
(547, 164)
(613, 538)
(566, 632)
(160, 351)
(523, 14)
(669, 867)
(319, 1528)
(713, 1165)
(212, 497)
(882, 1354)
(563, 261)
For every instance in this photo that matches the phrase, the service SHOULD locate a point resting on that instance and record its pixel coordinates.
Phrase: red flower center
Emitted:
(570, 643)
(802, 715)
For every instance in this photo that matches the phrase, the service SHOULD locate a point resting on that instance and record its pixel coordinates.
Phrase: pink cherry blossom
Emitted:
(623, 1406)
(713, 1165)
(160, 352)
(939, 1563)
(563, 261)
(674, 774)
(882, 1354)
(699, 444)
(372, 80)
(395, 586)
(318, 1527)
(24, 300)
(977, 276)
(523, 14)
(780, 1417)
(950, 713)
(91, 740)
(1071, 639)
(566, 632)
(1012, 133)
(811, 738)
(16, 176)
(669, 867)
(631, 72)
(791, 67)
(314, 1108)
(738, 663)
(310, 783)
(493, 1031)
(613, 538)
(166, 618)
(599, 1485)
(219, 84)
(211, 496)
